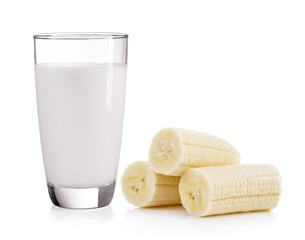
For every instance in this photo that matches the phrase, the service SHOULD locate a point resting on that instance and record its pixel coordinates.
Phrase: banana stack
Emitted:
(202, 172)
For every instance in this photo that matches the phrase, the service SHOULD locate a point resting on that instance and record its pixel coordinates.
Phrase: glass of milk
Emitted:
(80, 88)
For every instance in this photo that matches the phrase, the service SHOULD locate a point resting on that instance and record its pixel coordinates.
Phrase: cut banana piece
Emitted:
(228, 189)
(143, 187)
(174, 150)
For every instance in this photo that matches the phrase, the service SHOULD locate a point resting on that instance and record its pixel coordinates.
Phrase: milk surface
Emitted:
(80, 109)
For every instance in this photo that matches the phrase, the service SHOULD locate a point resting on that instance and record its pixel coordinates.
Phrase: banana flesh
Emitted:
(227, 189)
(212, 180)
(174, 150)
(143, 187)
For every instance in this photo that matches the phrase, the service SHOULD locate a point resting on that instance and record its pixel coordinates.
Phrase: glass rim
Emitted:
(80, 35)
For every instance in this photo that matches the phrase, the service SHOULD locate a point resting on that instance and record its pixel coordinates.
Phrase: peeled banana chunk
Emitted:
(174, 150)
(143, 187)
(228, 189)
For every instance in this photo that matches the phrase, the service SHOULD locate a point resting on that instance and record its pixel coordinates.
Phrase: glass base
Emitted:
(81, 198)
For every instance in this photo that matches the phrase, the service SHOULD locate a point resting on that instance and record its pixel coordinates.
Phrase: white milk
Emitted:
(80, 109)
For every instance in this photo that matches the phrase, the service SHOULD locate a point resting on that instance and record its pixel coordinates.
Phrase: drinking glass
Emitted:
(80, 88)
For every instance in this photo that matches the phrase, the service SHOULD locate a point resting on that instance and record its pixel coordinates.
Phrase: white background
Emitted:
(231, 68)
